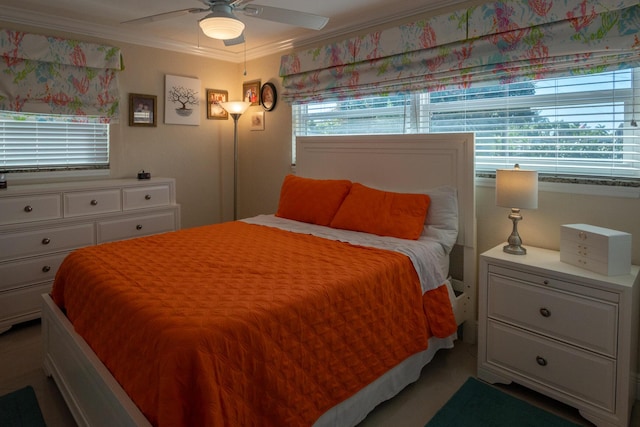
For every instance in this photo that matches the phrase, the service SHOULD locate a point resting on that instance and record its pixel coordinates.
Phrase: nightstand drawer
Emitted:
(22, 209)
(581, 375)
(575, 319)
(92, 202)
(146, 197)
(29, 271)
(47, 240)
(138, 226)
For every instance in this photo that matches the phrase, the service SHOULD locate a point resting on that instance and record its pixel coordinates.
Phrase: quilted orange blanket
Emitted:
(245, 325)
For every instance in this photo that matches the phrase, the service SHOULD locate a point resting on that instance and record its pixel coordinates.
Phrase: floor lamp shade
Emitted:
(516, 189)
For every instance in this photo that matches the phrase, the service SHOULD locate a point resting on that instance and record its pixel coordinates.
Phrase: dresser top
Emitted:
(24, 189)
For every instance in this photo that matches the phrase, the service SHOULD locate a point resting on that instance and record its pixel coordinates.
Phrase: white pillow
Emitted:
(442, 218)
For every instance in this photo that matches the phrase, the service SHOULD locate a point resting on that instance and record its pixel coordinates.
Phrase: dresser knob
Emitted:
(546, 282)
(545, 312)
(46, 241)
(28, 208)
(138, 227)
(94, 202)
(541, 361)
(147, 197)
(46, 269)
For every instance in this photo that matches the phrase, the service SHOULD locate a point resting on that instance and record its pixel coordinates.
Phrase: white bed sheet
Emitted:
(429, 259)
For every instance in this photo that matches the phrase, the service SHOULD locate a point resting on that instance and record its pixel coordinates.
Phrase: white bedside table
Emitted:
(563, 331)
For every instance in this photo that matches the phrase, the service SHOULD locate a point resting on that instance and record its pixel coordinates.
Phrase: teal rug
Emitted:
(20, 409)
(477, 404)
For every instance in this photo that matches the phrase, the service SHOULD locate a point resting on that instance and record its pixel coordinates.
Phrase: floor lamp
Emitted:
(235, 109)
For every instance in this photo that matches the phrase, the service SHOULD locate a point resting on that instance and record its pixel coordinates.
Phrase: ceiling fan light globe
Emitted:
(221, 27)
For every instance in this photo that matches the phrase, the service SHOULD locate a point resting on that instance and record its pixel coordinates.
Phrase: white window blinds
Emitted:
(582, 125)
(30, 142)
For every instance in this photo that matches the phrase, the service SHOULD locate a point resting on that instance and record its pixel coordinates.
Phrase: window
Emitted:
(581, 125)
(32, 142)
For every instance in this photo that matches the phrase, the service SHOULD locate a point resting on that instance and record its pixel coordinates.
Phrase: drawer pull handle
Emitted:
(541, 361)
(138, 227)
(582, 235)
(46, 269)
(546, 282)
(147, 197)
(545, 312)
(46, 241)
(28, 208)
(94, 202)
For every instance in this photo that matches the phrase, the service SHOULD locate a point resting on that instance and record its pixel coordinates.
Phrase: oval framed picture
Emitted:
(268, 96)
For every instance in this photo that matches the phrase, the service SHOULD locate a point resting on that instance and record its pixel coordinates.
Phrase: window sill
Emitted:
(29, 177)
(586, 185)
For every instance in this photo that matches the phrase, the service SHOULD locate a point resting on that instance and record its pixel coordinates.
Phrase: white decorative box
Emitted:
(596, 249)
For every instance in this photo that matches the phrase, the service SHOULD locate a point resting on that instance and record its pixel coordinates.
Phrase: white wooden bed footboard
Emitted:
(94, 397)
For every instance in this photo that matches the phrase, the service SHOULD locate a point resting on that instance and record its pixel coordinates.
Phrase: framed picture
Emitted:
(257, 120)
(142, 110)
(268, 96)
(181, 100)
(251, 92)
(214, 110)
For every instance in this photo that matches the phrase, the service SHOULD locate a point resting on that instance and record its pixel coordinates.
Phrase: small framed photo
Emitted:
(251, 92)
(214, 110)
(257, 120)
(268, 96)
(143, 110)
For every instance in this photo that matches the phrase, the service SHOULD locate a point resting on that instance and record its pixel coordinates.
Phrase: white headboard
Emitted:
(403, 163)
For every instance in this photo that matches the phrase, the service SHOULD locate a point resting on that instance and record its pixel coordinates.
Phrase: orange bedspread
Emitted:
(244, 325)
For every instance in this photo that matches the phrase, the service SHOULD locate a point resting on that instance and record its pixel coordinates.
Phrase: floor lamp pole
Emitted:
(235, 117)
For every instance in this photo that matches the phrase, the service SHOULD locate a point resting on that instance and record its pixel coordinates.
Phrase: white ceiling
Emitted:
(103, 19)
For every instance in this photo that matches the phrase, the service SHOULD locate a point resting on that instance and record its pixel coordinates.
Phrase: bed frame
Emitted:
(408, 163)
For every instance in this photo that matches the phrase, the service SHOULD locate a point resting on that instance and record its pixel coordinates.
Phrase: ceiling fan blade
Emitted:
(233, 42)
(286, 16)
(165, 15)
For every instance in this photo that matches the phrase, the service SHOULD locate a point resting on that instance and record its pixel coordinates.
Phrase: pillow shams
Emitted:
(314, 201)
(383, 213)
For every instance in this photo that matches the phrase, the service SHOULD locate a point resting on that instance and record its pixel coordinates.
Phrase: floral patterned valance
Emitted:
(486, 44)
(52, 75)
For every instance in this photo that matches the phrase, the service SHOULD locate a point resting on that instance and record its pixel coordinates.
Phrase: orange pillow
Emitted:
(382, 212)
(315, 201)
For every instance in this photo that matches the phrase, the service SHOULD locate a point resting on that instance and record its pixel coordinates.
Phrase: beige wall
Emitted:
(201, 157)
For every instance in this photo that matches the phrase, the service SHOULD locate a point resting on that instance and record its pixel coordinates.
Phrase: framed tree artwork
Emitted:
(182, 100)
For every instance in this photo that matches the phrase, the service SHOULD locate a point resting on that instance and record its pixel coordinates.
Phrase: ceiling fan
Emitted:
(221, 23)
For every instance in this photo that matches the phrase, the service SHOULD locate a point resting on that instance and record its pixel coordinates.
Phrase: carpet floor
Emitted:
(20, 409)
(478, 404)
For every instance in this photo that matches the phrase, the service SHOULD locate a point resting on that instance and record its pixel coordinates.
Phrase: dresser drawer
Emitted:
(30, 270)
(92, 202)
(138, 226)
(22, 304)
(146, 197)
(46, 240)
(20, 209)
(585, 322)
(579, 374)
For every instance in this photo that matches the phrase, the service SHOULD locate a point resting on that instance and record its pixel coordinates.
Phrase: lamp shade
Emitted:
(517, 188)
(221, 24)
(235, 107)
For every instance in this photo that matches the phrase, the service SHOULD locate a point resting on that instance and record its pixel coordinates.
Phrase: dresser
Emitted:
(41, 223)
(561, 330)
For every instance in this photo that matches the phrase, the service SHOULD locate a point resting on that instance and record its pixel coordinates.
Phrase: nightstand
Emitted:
(563, 331)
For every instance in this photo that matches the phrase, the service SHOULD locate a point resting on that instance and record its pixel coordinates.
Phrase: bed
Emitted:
(408, 164)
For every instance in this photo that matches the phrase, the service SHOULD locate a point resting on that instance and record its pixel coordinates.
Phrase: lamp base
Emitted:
(514, 249)
(514, 246)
